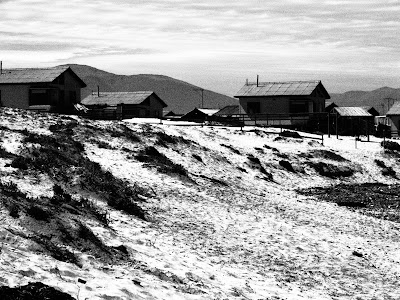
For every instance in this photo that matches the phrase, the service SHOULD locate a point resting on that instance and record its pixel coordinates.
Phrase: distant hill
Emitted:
(180, 96)
(377, 98)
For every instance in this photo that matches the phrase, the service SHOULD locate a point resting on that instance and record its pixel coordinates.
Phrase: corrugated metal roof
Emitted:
(290, 88)
(352, 111)
(115, 98)
(394, 110)
(228, 110)
(208, 111)
(12, 76)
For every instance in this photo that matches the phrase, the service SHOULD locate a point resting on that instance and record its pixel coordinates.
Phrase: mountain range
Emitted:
(180, 96)
(381, 99)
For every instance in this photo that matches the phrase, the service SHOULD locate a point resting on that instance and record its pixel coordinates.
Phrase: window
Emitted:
(298, 107)
(39, 97)
(253, 107)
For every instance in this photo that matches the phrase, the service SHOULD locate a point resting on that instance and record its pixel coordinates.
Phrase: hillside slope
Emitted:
(180, 96)
(376, 98)
(118, 210)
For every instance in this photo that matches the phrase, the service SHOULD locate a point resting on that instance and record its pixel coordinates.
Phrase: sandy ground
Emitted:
(224, 232)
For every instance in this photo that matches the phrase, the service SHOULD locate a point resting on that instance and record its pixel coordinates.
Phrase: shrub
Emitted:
(389, 145)
(38, 213)
(104, 145)
(21, 163)
(287, 165)
(57, 252)
(197, 157)
(386, 171)
(291, 134)
(128, 133)
(152, 156)
(327, 155)
(332, 171)
(164, 138)
(14, 210)
(33, 291)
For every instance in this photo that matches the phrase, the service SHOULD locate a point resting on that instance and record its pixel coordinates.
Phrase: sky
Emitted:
(217, 45)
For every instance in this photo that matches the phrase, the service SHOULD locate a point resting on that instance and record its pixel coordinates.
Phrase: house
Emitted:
(48, 89)
(353, 121)
(282, 97)
(200, 114)
(393, 115)
(124, 105)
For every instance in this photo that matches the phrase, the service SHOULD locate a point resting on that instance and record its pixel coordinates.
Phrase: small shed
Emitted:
(353, 121)
(200, 114)
(46, 89)
(124, 105)
(393, 115)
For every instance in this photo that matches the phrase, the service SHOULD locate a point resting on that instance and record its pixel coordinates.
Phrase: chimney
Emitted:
(98, 91)
(1, 67)
(257, 80)
(247, 81)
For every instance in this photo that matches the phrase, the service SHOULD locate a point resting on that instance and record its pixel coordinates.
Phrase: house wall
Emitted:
(15, 96)
(280, 105)
(156, 107)
(267, 105)
(71, 84)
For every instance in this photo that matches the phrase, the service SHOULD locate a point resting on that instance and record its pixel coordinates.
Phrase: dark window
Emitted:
(298, 107)
(39, 97)
(253, 107)
(1, 103)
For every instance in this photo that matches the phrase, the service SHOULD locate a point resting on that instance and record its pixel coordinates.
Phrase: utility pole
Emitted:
(202, 96)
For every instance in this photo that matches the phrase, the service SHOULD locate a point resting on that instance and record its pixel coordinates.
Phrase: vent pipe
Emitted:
(98, 91)
(247, 81)
(1, 67)
(257, 80)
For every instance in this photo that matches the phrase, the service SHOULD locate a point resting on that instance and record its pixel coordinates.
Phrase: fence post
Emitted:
(337, 134)
(322, 138)
(329, 125)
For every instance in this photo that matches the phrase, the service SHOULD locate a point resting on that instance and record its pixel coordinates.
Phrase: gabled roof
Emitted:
(394, 110)
(352, 111)
(289, 88)
(330, 103)
(37, 75)
(228, 110)
(115, 98)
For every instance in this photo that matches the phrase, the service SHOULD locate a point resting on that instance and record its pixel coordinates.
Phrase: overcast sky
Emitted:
(349, 45)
